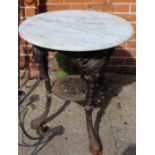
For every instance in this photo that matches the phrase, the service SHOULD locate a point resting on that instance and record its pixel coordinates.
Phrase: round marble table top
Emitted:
(75, 31)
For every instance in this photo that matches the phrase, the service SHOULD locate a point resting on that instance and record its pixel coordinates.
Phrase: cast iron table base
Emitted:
(92, 67)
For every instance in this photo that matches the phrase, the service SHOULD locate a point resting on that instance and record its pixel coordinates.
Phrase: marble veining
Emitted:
(73, 30)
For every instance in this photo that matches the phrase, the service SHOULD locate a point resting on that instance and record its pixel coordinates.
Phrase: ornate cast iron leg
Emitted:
(40, 56)
(92, 66)
(94, 143)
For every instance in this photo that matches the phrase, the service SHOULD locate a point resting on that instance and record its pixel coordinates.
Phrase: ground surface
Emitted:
(115, 121)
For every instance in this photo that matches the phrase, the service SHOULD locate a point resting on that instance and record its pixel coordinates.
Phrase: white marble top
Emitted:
(75, 30)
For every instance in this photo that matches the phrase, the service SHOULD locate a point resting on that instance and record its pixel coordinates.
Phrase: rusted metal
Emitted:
(92, 66)
(40, 56)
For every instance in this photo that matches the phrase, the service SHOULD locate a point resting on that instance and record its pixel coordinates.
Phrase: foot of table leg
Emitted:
(36, 123)
(94, 142)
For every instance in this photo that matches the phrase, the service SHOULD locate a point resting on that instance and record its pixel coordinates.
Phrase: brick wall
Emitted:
(123, 60)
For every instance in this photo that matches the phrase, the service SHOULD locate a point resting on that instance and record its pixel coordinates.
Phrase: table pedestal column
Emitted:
(92, 66)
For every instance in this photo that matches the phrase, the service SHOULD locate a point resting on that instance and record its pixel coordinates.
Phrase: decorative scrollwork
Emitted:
(40, 56)
(92, 67)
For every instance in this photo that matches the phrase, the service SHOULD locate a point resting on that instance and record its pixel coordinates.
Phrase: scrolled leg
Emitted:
(92, 66)
(40, 56)
(94, 142)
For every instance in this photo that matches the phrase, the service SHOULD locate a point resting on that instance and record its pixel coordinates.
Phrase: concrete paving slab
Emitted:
(114, 121)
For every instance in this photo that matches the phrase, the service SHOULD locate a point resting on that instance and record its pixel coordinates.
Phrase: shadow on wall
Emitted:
(122, 61)
(42, 6)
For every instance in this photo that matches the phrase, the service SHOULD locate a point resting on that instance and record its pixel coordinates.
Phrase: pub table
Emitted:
(88, 39)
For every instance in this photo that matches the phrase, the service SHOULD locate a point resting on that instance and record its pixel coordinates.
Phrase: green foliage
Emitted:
(60, 74)
(65, 65)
